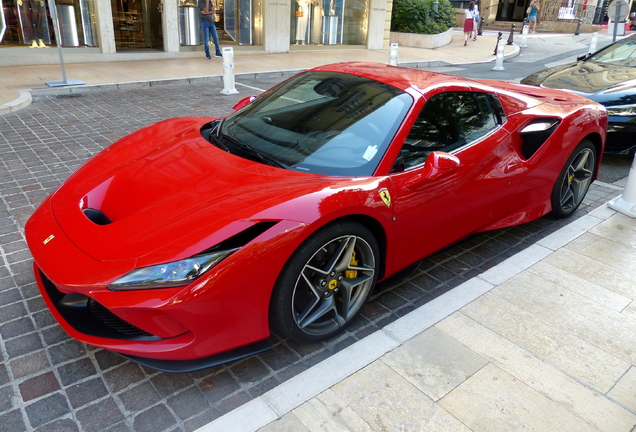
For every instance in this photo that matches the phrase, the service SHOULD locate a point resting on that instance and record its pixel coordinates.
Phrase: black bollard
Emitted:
(498, 39)
(525, 23)
(480, 26)
(512, 34)
(578, 29)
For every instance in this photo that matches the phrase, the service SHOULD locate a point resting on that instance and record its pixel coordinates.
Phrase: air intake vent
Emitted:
(97, 217)
(112, 321)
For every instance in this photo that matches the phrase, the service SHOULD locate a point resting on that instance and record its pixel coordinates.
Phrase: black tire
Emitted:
(574, 180)
(324, 286)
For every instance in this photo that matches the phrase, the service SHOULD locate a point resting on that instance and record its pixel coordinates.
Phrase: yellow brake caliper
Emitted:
(351, 274)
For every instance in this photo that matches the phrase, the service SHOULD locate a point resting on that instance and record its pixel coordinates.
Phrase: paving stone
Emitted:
(107, 359)
(249, 370)
(4, 376)
(12, 311)
(170, 383)
(23, 345)
(6, 395)
(218, 386)
(66, 351)
(123, 376)
(64, 425)
(140, 397)
(155, 419)
(12, 422)
(188, 403)
(38, 386)
(86, 392)
(47, 409)
(99, 415)
(201, 420)
(73, 372)
(29, 364)
(10, 295)
(16, 328)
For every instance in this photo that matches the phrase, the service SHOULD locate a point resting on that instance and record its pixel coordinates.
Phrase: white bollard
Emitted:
(626, 203)
(393, 54)
(524, 37)
(593, 43)
(228, 71)
(500, 56)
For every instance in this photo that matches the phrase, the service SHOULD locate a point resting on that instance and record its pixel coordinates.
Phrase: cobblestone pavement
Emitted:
(49, 382)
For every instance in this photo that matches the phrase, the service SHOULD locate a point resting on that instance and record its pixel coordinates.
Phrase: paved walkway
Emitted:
(14, 79)
(545, 341)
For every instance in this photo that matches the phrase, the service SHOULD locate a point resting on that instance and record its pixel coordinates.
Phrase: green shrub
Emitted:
(417, 16)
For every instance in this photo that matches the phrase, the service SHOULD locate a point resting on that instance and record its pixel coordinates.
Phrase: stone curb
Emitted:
(23, 101)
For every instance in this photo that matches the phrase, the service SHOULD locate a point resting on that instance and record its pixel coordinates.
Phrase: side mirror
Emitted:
(243, 103)
(438, 164)
(584, 56)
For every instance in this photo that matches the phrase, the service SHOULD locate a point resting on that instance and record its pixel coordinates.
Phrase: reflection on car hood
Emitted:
(604, 83)
(164, 182)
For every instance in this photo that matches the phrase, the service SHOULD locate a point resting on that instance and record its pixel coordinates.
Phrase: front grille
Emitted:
(88, 316)
(113, 321)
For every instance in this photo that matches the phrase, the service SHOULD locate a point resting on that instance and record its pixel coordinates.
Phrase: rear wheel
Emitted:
(575, 180)
(326, 283)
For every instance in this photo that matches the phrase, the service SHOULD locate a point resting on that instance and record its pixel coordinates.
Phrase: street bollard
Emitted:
(525, 23)
(393, 54)
(511, 35)
(593, 43)
(626, 203)
(480, 26)
(524, 36)
(228, 71)
(578, 29)
(497, 44)
(500, 56)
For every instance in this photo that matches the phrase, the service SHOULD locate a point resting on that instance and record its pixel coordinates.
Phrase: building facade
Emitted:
(106, 30)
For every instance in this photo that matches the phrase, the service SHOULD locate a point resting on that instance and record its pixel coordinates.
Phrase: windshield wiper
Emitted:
(266, 159)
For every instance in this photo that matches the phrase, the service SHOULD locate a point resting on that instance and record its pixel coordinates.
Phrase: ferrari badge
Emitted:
(48, 239)
(386, 197)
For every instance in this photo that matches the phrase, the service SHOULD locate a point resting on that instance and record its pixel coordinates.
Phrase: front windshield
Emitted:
(621, 53)
(321, 122)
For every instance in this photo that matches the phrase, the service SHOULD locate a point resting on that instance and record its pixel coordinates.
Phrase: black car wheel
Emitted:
(326, 283)
(575, 180)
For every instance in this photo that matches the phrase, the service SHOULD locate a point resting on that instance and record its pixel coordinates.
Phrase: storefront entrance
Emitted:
(138, 24)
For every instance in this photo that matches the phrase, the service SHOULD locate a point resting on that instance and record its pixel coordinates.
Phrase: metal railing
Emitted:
(571, 11)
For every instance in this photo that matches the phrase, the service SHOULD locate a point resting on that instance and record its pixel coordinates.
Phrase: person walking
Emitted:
(469, 21)
(476, 18)
(206, 7)
(533, 12)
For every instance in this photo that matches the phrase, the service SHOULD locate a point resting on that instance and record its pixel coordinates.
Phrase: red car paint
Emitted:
(171, 194)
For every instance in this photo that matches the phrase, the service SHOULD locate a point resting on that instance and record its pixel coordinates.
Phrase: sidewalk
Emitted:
(545, 341)
(16, 80)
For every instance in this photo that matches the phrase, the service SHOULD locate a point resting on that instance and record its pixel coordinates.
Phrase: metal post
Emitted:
(578, 29)
(525, 23)
(524, 36)
(480, 26)
(626, 203)
(228, 71)
(435, 5)
(511, 35)
(393, 54)
(593, 43)
(500, 56)
(497, 44)
(58, 35)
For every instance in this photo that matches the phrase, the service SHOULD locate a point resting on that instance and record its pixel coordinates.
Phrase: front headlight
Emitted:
(622, 110)
(174, 274)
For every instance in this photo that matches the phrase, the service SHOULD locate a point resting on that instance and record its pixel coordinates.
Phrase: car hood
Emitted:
(163, 182)
(607, 84)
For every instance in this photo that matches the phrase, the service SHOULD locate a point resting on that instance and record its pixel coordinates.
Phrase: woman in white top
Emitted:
(469, 22)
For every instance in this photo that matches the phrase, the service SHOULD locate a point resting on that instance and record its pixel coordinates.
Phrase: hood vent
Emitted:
(97, 217)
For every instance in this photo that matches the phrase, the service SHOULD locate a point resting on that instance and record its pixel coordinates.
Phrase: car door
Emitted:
(433, 211)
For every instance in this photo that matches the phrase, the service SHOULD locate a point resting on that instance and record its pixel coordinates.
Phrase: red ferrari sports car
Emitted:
(184, 244)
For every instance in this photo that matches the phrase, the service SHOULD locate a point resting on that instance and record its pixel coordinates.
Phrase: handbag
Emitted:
(529, 10)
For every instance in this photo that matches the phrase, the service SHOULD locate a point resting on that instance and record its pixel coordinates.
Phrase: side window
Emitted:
(447, 122)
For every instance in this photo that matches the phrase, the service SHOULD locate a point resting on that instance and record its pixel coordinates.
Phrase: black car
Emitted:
(607, 76)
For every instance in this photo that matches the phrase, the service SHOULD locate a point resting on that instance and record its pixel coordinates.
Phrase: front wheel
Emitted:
(574, 180)
(326, 283)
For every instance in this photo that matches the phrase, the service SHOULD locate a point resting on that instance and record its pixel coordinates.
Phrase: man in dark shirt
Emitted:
(206, 7)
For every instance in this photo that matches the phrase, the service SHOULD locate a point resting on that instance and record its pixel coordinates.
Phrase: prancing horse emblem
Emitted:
(386, 197)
